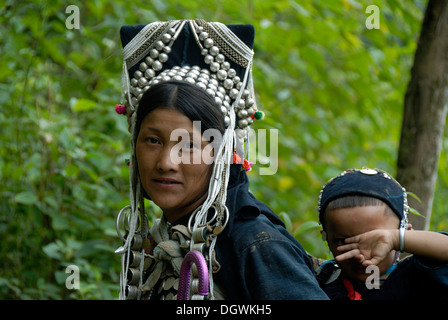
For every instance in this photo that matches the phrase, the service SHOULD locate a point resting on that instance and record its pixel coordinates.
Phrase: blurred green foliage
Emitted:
(332, 87)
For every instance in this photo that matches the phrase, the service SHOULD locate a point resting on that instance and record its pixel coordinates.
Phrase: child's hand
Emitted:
(369, 248)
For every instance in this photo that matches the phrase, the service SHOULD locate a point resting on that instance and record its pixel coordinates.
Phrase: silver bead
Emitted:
(149, 60)
(214, 66)
(214, 50)
(246, 94)
(142, 67)
(142, 82)
(241, 104)
(178, 78)
(136, 91)
(250, 102)
(208, 43)
(236, 79)
(221, 74)
(231, 73)
(199, 29)
(242, 114)
(167, 50)
(203, 35)
(210, 92)
(154, 53)
(163, 57)
(190, 80)
(159, 45)
(134, 82)
(239, 85)
(225, 65)
(166, 38)
(212, 87)
(220, 58)
(138, 74)
(228, 84)
(226, 121)
(214, 82)
(218, 101)
(157, 65)
(201, 85)
(208, 59)
(223, 110)
(172, 31)
(149, 73)
(134, 101)
(204, 51)
(242, 123)
(233, 93)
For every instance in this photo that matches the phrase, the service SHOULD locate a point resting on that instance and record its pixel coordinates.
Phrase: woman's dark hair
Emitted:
(192, 101)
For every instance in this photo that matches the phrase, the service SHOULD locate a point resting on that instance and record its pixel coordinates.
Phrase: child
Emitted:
(364, 218)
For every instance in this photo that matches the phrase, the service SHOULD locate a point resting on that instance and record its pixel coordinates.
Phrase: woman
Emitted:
(187, 123)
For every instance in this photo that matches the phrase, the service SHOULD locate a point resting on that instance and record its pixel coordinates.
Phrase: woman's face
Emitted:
(170, 164)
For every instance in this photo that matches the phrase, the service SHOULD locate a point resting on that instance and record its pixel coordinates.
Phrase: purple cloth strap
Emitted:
(185, 271)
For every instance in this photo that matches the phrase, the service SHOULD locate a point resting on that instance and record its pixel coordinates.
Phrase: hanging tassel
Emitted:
(352, 293)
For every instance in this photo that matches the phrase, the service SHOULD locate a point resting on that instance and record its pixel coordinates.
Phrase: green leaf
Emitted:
(84, 105)
(306, 226)
(26, 197)
(413, 195)
(414, 211)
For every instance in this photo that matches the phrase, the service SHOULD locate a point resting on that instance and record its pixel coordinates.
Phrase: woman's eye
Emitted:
(152, 140)
(190, 145)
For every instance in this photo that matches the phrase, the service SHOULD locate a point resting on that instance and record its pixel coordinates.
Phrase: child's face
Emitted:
(347, 222)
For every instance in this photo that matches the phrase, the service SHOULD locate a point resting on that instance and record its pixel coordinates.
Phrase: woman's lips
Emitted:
(166, 183)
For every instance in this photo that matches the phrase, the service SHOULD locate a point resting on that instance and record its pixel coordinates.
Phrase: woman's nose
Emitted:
(167, 160)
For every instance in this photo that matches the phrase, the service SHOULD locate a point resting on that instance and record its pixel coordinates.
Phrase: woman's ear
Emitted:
(323, 235)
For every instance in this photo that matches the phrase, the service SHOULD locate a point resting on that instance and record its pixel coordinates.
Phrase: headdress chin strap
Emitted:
(149, 50)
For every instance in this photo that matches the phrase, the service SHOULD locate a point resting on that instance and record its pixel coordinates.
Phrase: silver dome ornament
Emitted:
(149, 73)
(220, 58)
(233, 93)
(167, 49)
(159, 45)
(163, 57)
(166, 38)
(138, 74)
(203, 35)
(157, 65)
(214, 50)
(142, 67)
(221, 74)
(208, 59)
(154, 53)
(208, 43)
(149, 61)
(228, 84)
(231, 73)
(242, 114)
(214, 66)
(224, 110)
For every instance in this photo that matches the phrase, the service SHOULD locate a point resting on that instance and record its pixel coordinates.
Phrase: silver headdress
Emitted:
(221, 65)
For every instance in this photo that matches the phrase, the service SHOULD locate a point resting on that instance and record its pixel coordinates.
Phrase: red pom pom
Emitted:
(120, 109)
(236, 158)
(247, 165)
